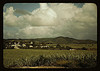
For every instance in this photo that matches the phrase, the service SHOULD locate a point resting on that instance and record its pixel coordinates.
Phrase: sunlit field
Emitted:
(58, 58)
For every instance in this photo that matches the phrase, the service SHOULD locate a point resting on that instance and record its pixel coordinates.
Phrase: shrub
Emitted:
(67, 63)
(87, 64)
(83, 48)
(64, 58)
(68, 48)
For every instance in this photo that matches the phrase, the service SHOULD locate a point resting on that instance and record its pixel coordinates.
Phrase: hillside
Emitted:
(65, 40)
(58, 40)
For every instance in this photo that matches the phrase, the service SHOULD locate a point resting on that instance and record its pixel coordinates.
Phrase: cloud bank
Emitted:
(52, 20)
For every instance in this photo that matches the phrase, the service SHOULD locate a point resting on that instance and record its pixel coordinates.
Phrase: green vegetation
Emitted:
(59, 52)
(36, 57)
(35, 44)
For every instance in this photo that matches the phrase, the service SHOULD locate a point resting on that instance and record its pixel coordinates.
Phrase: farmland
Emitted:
(59, 52)
(57, 43)
(58, 58)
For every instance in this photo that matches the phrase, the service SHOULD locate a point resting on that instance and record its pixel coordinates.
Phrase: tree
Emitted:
(58, 46)
(36, 43)
(68, 48)
(83, 48)
(43, 43)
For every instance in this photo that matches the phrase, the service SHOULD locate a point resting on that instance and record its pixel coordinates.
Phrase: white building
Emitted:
(24, 45)
(30, 46)
(44, 46)
(31, 43)
(15, 45)
(72, 49)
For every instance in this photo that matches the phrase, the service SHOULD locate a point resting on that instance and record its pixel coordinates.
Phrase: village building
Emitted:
(6, 47)
(15, 45)
(31, 42)
(72, 49)
(23, 45)
(44, 46)
(40, 44)
(9, 43)
(30, 46)
(36, 46)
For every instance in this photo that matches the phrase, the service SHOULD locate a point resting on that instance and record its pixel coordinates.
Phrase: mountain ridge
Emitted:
(61, 40)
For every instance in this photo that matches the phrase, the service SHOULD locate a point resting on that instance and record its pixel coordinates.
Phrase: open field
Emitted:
(75, 46)
(81, 45)
(62, 58)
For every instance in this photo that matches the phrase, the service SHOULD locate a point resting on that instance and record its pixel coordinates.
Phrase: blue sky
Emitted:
(24, 6)
(29, 6)
(42, 20)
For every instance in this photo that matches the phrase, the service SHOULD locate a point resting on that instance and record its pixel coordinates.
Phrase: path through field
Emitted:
(36, 67)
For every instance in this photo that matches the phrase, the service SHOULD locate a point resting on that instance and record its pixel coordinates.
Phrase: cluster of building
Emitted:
(18, 45)
(32, 45)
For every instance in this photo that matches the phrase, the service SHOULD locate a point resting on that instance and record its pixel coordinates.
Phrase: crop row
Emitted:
(65, 58)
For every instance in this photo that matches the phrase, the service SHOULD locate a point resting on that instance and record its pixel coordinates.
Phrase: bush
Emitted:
(58, 46)
(64, 58)
(67, 63)
(87, 63)
(68, 48)
(83, 48)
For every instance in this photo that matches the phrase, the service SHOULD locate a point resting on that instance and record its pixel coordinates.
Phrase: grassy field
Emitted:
(87, 46)
(59, 58)
(81, 45)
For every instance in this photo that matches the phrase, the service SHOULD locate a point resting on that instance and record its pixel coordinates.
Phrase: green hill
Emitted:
(57, 40)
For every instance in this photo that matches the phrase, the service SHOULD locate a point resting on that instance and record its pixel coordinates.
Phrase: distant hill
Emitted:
(60, 40)
(65, 40)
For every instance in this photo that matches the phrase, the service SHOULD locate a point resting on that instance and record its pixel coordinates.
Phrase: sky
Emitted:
(49, 20)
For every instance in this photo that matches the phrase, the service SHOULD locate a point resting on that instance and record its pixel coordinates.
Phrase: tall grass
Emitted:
(65, 58)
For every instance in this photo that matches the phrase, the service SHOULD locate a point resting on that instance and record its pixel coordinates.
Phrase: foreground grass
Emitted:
(63, 58)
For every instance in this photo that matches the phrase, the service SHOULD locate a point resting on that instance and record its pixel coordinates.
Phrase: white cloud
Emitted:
(77, 22)
(38, 31)
(9, 18)
(55, 20)
(43, 6)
